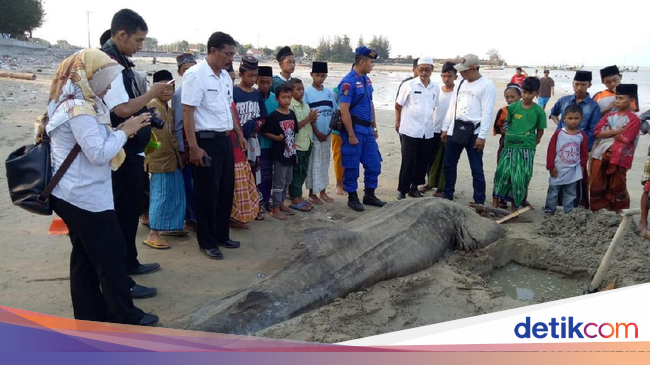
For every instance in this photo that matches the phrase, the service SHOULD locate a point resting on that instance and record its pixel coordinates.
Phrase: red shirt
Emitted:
(624, 143)
(518, 79)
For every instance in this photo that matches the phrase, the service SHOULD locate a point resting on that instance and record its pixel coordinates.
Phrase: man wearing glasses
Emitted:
(208, 120)
(415, 105)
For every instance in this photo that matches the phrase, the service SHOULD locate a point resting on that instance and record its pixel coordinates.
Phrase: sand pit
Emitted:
(555, 262)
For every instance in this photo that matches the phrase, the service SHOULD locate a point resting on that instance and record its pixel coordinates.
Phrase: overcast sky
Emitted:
(593, 33)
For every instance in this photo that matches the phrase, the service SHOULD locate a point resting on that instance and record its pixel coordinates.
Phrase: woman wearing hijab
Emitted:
(84, 197)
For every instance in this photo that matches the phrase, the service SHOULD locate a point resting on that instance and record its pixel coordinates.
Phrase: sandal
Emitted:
(302, 206)
(260, 216)
(158, 245)
(327, 199)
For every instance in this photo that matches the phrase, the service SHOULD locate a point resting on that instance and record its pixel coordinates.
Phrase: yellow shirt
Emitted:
(304, 136)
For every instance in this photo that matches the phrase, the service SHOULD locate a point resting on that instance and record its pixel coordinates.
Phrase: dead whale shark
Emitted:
(402, 238)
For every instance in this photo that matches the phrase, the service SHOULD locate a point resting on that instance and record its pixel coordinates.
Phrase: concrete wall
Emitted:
(10, 47)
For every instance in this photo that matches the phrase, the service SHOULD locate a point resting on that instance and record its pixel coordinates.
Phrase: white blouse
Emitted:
(87, 183)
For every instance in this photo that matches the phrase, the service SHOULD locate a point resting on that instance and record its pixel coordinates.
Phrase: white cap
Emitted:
(426, 60)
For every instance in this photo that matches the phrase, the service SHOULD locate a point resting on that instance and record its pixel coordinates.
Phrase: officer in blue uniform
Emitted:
(360, 134)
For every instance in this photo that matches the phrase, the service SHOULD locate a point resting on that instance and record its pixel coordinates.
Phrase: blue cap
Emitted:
(366, 52)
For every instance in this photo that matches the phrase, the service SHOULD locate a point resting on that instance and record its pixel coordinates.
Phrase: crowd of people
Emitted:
(588, 156)
(223, 155)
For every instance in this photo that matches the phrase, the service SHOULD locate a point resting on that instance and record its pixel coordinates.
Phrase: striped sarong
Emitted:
(245, 205)
(319, 166)
(167, 201)
(513, 174)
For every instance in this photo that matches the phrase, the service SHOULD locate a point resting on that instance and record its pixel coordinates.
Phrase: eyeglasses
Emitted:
(229, 54)
(425, 70)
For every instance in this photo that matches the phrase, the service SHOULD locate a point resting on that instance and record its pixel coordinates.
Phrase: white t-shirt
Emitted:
(211, 94)
(441, 111)
(117, 94)
(475, 104)
(418, 104)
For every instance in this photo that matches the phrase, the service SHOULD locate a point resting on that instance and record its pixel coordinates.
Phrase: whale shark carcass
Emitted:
(399, 239)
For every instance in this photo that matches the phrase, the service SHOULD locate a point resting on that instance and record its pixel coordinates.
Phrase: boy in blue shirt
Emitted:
(264, 183)
(321, 99)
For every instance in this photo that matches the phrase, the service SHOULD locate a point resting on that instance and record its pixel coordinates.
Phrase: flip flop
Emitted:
(260, 216)
(158, 245)
(302, 206)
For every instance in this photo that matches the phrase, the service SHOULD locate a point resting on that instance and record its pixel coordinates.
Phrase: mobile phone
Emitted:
(207, 161)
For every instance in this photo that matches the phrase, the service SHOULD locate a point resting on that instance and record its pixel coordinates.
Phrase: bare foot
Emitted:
(277, 214)
(324, 196)
(339, 190)
(643, 226)
(239, 225)
(283, 208)
(315, 200)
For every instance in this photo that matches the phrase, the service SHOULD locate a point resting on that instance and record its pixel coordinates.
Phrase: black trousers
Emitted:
(214, 188)
(416, 156)
(128, 188)
(97, 261)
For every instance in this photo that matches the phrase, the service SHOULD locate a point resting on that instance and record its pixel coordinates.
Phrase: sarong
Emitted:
(513, 174)
(319, 166)
(167, 201)
(245, 205)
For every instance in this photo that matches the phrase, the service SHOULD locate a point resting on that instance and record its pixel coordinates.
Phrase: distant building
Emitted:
(255, 52)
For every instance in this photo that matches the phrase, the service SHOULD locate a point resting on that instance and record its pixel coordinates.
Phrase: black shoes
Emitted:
(148, 320)
(229, 244)
(401, 196)
(369, 198)
(142, 292)
(213, 253)
(145, 269)
(354, 203)
(415, 194)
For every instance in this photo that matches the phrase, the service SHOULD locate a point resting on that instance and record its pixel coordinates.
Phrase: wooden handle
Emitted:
(609, 255)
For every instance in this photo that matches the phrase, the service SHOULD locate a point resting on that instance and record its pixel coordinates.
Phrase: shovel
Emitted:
(627, 215)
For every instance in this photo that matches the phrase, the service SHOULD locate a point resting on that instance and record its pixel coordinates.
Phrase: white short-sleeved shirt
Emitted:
(418, 104)
(211, 94)
(441, 110)
(117, 94)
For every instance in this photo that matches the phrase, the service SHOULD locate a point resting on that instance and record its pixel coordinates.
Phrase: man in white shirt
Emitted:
(415, 105)
(126, 98)
(474, 103)
(208, 120)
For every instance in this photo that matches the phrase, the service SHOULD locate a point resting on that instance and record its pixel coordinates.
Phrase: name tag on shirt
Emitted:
(418, 92)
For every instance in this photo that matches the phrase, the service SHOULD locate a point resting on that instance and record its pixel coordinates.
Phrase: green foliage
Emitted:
(381, 45)
(18, 17)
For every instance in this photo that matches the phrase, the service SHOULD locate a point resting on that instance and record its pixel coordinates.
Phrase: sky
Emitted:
(548, 32)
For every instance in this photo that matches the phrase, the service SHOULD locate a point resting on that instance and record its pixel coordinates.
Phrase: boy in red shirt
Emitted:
(519, 77)
(612, 154)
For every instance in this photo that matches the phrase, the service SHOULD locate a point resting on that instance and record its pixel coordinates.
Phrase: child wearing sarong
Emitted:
(616, 137)
(512, 94)
(165, 164)
(526, 123)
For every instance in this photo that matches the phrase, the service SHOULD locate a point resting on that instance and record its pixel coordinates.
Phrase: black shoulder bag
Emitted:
(29, 169)
(463, 130)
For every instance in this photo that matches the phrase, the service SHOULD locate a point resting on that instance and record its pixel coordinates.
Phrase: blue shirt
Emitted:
(271, 103)
(325, 102)
(590, 115)
(355, 88)
(178, 119)
(251, 107)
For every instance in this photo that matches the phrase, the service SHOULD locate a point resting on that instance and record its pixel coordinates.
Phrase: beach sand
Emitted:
(34, 267)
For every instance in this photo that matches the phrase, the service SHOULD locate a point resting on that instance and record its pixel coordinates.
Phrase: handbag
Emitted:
(463, 130)
(336, 124)
(29, 176)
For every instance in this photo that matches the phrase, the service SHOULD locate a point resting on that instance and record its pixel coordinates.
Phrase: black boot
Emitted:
(354, 203)
(369, 198)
